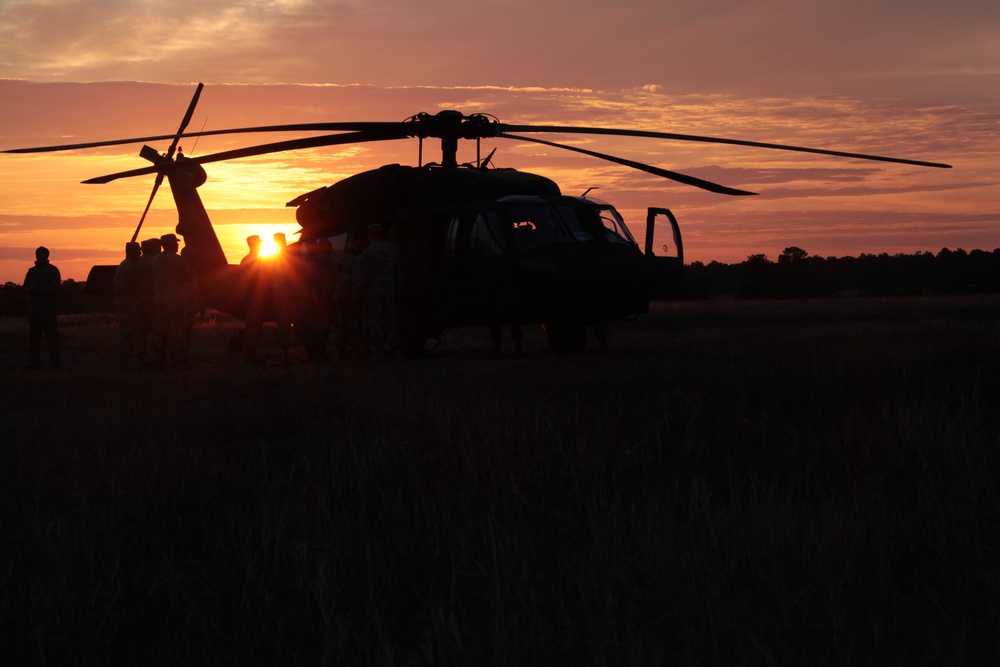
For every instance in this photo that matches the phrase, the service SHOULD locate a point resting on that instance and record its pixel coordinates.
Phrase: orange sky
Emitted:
(904, 79)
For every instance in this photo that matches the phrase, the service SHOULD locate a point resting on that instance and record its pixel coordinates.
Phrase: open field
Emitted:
(731, 483)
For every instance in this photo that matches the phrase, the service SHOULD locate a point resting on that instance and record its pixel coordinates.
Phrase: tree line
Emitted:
(72, 298)
(796, 274)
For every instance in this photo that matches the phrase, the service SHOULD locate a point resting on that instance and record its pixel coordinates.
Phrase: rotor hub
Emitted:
(452, 124)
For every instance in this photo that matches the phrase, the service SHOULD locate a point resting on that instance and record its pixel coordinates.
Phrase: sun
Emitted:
(268, 247)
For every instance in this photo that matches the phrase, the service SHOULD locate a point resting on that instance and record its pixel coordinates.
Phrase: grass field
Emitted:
(807, 483)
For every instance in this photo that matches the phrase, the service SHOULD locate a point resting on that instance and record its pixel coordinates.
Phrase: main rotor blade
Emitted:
(185, 121)
(263, 149)
(656, 171)
(297, 127)
(711, 140)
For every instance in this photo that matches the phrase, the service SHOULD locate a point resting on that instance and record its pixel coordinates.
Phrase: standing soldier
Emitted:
(378, 281)
(315, 279)
(345, 308)
(150, 249)
(176, 302)
(42, 283)
(127, 293)
(280, 278)
(253, 292)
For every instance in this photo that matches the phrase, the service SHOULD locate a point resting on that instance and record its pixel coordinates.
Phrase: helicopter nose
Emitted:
(608, 283)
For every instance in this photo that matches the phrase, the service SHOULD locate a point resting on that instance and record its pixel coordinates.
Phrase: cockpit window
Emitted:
(542, 225)
(614, 227)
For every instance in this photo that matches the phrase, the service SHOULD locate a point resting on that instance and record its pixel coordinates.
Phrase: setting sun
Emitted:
(268, 247)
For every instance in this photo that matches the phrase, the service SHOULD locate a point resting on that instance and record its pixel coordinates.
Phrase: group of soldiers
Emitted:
(353, 292)
(156, 297)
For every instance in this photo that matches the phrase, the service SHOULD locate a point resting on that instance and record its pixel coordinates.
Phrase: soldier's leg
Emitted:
(128, 327)
(283, 327)
(602, 331)
(518, 335)
(376, 325)
(126, 340)
(372, 337)
(340, 322)
(178, 333)
(142, 333)
(160, 330)
(35, 340)
(391, 323)
(353, 325)
(50, 327)
(253, 325)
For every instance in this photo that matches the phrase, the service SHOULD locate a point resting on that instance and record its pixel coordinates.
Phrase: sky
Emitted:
(907, 78)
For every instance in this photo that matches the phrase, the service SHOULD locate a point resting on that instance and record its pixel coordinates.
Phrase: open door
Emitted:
(665, 249)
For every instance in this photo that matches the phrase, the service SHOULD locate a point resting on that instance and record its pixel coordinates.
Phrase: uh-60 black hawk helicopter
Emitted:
(480, 245)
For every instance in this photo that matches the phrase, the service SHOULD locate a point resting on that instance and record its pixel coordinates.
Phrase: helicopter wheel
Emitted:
(566, 337)
(414, 339)
(413, 345)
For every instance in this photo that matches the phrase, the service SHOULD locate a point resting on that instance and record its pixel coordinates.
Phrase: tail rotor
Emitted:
(149, 153)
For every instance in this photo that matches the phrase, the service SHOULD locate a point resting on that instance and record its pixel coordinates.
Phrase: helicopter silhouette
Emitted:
(480, 245)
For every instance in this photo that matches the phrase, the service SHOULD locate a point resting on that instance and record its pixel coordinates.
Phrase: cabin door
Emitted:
(665, 248)
(483, 286)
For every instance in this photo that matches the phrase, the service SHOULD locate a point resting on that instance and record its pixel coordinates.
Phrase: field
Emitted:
(792, 483)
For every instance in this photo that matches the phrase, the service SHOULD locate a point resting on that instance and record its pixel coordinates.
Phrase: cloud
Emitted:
(914, 50)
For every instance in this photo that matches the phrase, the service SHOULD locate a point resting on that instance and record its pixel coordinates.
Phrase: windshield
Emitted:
(614, 225)
(541, 225)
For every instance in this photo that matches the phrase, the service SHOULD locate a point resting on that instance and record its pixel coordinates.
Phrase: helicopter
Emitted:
(480, 245)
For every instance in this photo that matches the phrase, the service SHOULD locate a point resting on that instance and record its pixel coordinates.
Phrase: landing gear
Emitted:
(566, 337)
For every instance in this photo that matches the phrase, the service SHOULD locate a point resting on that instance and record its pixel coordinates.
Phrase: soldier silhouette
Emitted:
(176, 302)
(150, 249)
(378, 281)
(280, 278)
(345, 303)
(128, 292)
(253, 291)
(42, 284)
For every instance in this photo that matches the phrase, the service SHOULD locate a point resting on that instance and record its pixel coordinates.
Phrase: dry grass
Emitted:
(737, 483)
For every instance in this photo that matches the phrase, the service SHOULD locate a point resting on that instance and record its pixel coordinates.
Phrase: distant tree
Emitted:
(13, 300)
(791, 255)
(756, 279)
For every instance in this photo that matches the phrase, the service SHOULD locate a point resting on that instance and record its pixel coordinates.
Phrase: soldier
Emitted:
(345, 306)
(253, 291)
(176, 302)
(602, 331)
(150, 249)
(42, 283)
(280, 281)
(378, 280)
(314, 297)
(127, 293)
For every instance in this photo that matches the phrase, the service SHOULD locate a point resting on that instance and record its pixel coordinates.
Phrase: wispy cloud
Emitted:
(909, 49)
